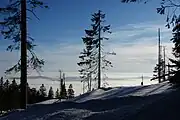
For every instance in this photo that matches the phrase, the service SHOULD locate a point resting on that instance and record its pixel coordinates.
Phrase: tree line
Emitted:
(10, 94)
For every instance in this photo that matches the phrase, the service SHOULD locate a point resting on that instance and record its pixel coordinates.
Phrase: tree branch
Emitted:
(33, 13)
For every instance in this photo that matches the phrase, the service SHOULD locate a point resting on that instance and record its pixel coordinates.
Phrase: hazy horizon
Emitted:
(114, 76)
(120, 79)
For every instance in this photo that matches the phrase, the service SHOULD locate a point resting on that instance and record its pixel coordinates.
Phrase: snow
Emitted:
(49, 101)
(116, 103)
(152, 89)
(124, 91)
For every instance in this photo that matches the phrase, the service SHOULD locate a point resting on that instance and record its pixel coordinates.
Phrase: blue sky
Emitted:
(58, 35)
(66, 20)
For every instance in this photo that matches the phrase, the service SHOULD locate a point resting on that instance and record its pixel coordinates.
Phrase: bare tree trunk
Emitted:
(23, 55)
(164, 64)
(99, 64)
(159, 55)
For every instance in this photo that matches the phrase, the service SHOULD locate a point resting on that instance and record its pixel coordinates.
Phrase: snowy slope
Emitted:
(49, 101)
(124, 91)
(114, 104)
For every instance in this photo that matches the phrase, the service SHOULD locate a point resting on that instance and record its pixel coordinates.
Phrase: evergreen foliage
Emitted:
(93, 57)
(161, 67)
(14, 28)
(63, 92)
(176, 52)
(70, 91)
(42, 91)
(170, 8)
(51, 93)
(57, 94)
(11, 30)
(10, 95)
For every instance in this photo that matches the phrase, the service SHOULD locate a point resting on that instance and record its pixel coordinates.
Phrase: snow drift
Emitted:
(113, 104)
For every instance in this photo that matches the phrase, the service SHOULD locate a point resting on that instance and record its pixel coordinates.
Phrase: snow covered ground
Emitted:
(124, 91)
(114, 104)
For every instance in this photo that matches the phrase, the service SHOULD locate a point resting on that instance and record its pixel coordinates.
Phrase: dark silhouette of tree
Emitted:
(14, 95)
(32, 96)
(15, 29)
(1, 83)
(6, 96)
(9, 95)
(63, 92)
(168, 7)
(14, 84)
(6, 84)
(161, 67)
(93, 59)
(176, 41)
(28, 94)
(57, 94)
(70, 91)
(176, 53)
(12, 29)
(51, 93)
(38, 93)
(171, 9)
(1, 95)
(42, 91)
(174, 68)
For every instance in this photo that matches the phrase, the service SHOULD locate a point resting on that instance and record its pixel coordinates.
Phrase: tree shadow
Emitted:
(116, 104)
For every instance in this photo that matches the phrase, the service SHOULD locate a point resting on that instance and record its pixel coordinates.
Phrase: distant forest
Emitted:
(10, 94)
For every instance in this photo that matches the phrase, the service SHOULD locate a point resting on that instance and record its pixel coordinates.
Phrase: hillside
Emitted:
(120, 103)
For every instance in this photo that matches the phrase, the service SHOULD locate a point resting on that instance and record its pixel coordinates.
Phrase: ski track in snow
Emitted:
(114, 104)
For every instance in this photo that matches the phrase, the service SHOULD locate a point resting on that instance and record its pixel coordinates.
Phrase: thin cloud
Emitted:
(133, 33)
(134, 44)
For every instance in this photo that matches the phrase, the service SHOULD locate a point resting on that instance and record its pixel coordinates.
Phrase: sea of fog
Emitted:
(78, 86)
(113, 80)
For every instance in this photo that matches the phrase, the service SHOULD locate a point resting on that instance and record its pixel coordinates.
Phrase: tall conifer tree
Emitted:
(93, 57)
(15, 28)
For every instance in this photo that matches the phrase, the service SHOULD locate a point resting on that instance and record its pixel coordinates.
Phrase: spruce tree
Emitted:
(176, 41)
(70, 91)
(14, 95)
(42, 91)
(6, 96)
(1, 94)
(176, 53)
(14, 27)
(57, 94)
(1, 86)
(33, 97)
(14, 84)
(1, 82)
(93, 57)
(161, 67)
(51, 93)
(28, 94)
(6, 84)
(63, 92)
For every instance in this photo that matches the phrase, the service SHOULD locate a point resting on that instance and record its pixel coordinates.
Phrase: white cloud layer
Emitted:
(135, 45)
